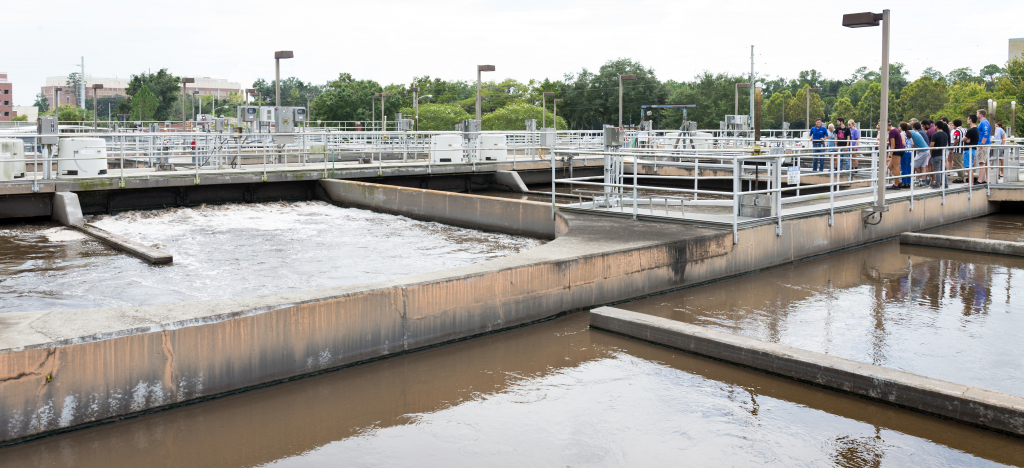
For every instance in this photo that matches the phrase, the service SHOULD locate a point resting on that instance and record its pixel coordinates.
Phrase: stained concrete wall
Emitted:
(971, 405)
(61, 369)
(487, 213)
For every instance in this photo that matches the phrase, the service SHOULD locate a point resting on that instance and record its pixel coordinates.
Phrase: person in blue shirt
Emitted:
(984, 138)
(818, 135)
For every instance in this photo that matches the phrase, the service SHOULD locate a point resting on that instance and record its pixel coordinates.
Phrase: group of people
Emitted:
(933, 146)
(928, 146)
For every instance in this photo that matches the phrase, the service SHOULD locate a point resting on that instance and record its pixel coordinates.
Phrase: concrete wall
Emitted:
(487, 213)
(61, 369)
(971, 405)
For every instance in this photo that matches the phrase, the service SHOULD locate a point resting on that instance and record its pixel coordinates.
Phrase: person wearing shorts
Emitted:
(921, 155)
(894, 158)
(939, 142)
(971, 154)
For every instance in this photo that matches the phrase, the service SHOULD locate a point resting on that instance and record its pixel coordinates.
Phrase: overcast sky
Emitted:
(393, 41)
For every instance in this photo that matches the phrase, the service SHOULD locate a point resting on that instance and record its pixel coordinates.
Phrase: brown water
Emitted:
(230, 251)
(552, 394)
(945, 314)
(996, 227)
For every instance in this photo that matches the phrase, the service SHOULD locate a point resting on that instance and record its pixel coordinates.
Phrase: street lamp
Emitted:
(95, 104)
(621, 79)
(281, 54)
(863, 20)
(480, 68)
(383, 127)
(736, 106)
(556, 113)
(184, 85)
(809, 91)
(418, 108)
(544, 109)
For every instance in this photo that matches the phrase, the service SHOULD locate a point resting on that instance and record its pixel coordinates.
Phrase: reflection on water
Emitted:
(230, 251)
(552, 394)
(1005, 227)
(945, 314)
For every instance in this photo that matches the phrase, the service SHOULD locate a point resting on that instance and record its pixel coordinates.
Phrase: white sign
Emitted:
(793, 175)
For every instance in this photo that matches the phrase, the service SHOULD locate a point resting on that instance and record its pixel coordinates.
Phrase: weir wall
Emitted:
(67, 368)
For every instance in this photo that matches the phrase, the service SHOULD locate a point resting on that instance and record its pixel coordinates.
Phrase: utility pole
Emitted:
(81, 85)
(480, 68)
(751, 84)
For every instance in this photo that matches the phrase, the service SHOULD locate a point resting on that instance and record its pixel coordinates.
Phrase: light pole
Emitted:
(862, 20)
(480, 68)
(544, 109)
(194, 94)
(556, 114)
(809, 91)
(736, 106)
(621, 79)
(383, 126)
(783, 124)
(184, 85)
(418, 109)
(1013, 115)
(281, 54)
(308, 98)
(95, 104)
(373, 108)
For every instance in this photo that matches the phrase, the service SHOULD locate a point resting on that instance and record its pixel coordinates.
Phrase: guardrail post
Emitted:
(736, 188)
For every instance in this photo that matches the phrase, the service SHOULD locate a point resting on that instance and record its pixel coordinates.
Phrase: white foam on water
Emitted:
(62, 234)
(242, 250)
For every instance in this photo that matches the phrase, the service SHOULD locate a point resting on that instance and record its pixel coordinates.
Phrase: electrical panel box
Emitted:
(266, 114)
(219, 124)
(47, 129)
(154, 128)
(283, 120)
(548, 138)
(469, 126)
(299, 114)
(613, 136)
(248, 114)
(405, 124)
(531, 125)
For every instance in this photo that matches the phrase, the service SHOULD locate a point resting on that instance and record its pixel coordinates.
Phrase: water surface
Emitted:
(230, 251)
(552, 394)
(947, 314)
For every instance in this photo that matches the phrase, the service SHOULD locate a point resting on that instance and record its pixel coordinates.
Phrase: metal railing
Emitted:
(706, 186)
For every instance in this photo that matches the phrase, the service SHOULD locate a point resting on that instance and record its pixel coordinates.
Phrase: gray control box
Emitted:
(248, 114)
(299, 114)
(613, 136)
(47, 128)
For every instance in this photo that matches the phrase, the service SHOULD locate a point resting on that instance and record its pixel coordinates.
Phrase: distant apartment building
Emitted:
(218, 87)
(7, 111)
(1016, 48)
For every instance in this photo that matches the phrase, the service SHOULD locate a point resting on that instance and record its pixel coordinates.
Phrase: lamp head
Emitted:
(484, 68)
(627, 77)
(862, 20)
(283, 54)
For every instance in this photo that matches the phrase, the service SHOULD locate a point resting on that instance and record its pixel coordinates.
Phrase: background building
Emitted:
(218, 87)
(31, 111)
(1016, 48)
(6, 99)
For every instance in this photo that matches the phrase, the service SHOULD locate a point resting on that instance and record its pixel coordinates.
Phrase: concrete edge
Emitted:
(964, 243)
(511, 180)
(67, 210)
(978, 407)
(148, 254)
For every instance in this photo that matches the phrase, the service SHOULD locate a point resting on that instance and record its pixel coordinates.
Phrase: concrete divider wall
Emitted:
(975, 406)
(488, 213)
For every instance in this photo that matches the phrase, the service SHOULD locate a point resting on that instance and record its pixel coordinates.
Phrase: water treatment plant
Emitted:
(269, 290)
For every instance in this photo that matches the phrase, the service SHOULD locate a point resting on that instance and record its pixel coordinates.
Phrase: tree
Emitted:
(107, 103)
(165, 86)
(771, 112)
(714, 95)
(69, 113)
(593, 100)
(989, 73)
(962, 99)
(74, 83)
(921, 99)
(514, 116)
(843, 109)
(144, 104)
(933, 74)
(439, 117)
(964, 74)
(348, 99)
(867, 112)
(42, 102)
(293, 91)
(20, 118)
(798, 108)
